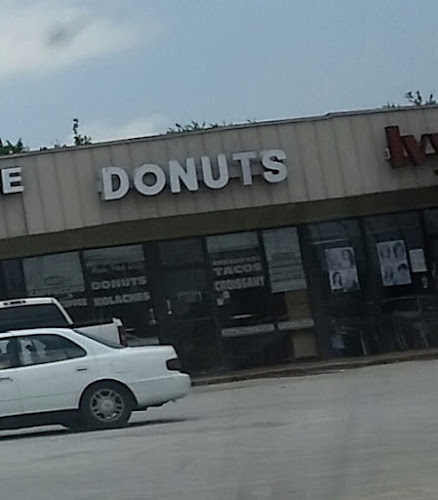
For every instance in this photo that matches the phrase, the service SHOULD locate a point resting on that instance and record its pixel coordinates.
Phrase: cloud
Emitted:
(138, 127)
(41, 36)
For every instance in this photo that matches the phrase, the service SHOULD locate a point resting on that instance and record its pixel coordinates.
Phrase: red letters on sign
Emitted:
(405, 149)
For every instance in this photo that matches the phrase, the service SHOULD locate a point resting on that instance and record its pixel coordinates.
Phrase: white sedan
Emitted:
(60, 376)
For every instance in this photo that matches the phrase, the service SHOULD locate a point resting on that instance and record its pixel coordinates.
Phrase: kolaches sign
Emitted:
(405, 149)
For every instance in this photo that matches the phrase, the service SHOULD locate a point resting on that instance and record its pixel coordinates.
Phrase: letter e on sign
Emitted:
(11, 180)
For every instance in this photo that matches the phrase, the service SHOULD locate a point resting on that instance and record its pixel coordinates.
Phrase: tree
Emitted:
(196, 126)
(418, 100)
(9, 149)
(79, 139)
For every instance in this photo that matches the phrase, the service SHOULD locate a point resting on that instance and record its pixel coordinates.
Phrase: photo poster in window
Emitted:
(342, 270)
(285, 265)
(418, 261)
(56, 275)
(394, 267)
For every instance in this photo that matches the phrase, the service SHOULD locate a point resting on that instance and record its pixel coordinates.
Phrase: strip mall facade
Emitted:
(243, 246)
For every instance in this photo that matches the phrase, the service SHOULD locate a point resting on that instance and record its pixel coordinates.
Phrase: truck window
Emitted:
(31, 316)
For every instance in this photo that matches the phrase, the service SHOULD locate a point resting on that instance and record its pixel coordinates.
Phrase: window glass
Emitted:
(31, 316)
(431, 219)
(396, 249)
(337, 251)
(118, 282)
(186, 296)
(337, 273)
(14, 280)
(57, 275)
(7, 356)
(40, 349)
(283, 255)
(290, 298)
(181, 252)
(239, 282)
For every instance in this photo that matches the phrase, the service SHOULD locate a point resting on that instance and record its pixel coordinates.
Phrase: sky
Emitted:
(136, 67)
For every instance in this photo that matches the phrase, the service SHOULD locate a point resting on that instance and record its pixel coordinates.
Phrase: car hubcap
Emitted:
(107, 405)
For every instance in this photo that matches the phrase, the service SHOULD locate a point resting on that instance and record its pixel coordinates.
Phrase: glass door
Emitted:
(186, 312)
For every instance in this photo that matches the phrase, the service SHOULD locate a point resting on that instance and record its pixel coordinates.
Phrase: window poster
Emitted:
(418, 260)
(117, 275)
(394, 267)
(341, 265)
(285, 264)
(236, 263)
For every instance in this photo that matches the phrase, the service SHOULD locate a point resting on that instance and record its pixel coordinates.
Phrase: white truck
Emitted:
(47, 312)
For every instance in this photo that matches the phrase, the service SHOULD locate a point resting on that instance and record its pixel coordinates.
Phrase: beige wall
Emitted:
(329, 159)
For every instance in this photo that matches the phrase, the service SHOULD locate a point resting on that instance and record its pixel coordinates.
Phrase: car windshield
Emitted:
(100, 340)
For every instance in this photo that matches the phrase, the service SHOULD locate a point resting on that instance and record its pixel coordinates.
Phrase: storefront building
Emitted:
(243, 246)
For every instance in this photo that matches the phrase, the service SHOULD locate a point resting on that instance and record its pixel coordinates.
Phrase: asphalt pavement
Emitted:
(369, 433)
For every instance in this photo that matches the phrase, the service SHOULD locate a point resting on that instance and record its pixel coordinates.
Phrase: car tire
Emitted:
(105, 405)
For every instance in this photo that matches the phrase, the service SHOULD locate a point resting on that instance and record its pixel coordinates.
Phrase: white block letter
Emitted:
(11, 180)
(207, 172)
(272, 161)
(108, 175)
(149, 189)
(245, 164)
(187, 176)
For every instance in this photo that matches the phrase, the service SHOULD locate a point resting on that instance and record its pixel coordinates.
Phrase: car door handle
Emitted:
(82, 369)
(5, 379)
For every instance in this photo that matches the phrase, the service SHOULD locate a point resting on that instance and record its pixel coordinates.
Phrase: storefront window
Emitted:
(186, 304)
(337, 272)
(186, 295)
(14, 286)
(118, 283)
(290, 298)
(397, 254)
(240, 283)
(58, 275)
(181, 252)
(242, 296)
(400, 290)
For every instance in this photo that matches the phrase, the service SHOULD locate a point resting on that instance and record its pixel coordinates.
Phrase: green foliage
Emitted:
(418, 100)
(79, 139)
(195, 127)
(8, 148)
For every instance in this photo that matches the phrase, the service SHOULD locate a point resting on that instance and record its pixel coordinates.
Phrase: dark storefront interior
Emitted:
(350, 287)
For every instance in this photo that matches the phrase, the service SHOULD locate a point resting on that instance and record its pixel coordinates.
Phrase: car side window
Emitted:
(7, 354)
(41, 349)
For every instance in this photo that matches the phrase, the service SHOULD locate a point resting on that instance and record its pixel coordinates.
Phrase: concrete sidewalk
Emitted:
(298, 369)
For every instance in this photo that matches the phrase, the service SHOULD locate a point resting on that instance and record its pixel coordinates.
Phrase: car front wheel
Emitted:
(106, 405)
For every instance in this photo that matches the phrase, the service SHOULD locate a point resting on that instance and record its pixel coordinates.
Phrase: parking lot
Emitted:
(370, 433)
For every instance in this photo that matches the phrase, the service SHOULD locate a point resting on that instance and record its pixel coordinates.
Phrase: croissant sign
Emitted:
(151, 179)
(405, 149)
